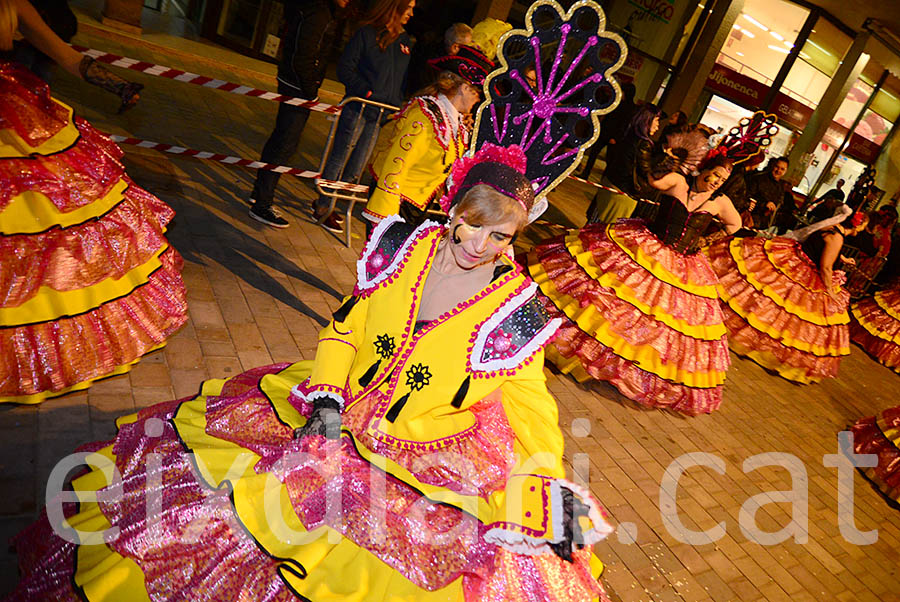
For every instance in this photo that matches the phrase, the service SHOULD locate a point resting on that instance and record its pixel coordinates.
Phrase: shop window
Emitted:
(722, 115)
(762, 37)
(816, 63)
(873, 127)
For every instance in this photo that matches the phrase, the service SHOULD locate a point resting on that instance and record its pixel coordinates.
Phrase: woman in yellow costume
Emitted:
(88, 282)
(428, 135)
(417, 458)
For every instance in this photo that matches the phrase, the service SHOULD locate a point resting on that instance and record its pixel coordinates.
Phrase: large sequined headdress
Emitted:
(553, 81)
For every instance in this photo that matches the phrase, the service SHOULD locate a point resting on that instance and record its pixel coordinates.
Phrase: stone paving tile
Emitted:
(258, 296)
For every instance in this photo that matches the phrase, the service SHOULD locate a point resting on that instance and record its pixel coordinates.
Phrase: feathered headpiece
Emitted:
(552, 84)
(747, 139)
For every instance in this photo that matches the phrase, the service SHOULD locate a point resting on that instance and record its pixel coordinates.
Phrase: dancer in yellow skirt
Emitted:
(88, 282)
(417, 458)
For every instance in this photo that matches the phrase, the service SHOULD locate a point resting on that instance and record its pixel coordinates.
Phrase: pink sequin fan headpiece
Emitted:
(553, 81)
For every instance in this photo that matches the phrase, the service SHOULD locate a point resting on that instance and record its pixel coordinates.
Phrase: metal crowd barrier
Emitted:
(341, 189)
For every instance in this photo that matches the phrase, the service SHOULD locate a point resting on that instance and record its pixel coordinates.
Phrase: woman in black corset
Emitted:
(784, 305)
(638, 303)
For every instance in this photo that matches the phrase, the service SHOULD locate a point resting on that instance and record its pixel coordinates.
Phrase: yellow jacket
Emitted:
(409, 393)
(413, 166)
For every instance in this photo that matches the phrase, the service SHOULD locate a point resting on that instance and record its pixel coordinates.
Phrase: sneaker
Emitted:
(268, 216)
(332, 225)
(317, 215)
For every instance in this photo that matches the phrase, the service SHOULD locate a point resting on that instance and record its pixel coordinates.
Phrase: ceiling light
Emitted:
(788, 44)
(740, 54)
(735, 26)
(778, 49)
(747, 32)
(714, 109)
(777, 36)
(754, 21)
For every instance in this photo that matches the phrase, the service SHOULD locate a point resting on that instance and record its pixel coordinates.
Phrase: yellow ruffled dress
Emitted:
(446, 482)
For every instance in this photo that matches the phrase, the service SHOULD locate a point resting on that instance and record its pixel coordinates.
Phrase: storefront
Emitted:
(252, 27)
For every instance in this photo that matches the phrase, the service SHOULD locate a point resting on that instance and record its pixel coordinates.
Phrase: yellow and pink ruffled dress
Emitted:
(445, 484)
(88, 282)
(876, 325)
(880, 435)
(776, 308)
(639, 309)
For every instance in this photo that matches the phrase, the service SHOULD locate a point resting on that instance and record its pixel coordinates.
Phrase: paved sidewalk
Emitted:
(259, 295)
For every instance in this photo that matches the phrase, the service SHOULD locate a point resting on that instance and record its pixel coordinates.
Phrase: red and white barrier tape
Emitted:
(202, 80)
(218, 84)
(595, 184)
(230, 160)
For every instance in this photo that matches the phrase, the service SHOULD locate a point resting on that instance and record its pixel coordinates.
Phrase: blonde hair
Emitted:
(9, 22)
(481, 204)
(447, 84)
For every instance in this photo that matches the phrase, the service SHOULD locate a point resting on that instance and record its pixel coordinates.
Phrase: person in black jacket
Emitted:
(612, 128)
(311, 27)
(373, 66)
(766, 192)
(627, 169)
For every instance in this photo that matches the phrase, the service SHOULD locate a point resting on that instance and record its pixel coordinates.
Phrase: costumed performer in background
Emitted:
(637, 300)
(427, 136)
(784, 305)
(880, 435)
(88, 282)
(875, 325)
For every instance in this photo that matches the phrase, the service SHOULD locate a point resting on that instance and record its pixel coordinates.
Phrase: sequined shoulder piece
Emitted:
(511, 337)
(432, 110)
(387, 251)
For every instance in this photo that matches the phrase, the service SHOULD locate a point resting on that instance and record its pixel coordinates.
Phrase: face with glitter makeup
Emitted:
(711, 179)
(473, 244)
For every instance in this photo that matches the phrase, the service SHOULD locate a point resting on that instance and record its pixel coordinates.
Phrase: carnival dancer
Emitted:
(637, 300)
(88, 282)
(875, 325)
(428, 135)
(784, 305)
(417, 458)
(880, 435)
(445, 481)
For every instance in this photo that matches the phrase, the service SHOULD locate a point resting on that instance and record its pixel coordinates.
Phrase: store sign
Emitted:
(660, 10)
(628, 72)
(791, 111)
(863, 149)
(731, 84)
(740, 88)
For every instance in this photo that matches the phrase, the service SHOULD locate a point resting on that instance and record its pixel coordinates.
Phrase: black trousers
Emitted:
(280, 147)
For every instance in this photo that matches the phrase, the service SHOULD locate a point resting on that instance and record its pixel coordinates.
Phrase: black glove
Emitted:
(324, 421)
(573, 508)
(97, 74)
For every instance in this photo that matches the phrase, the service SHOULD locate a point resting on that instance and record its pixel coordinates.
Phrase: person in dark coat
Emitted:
(309, 37)
(612, 128)
(766, 192)
(373, 66)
